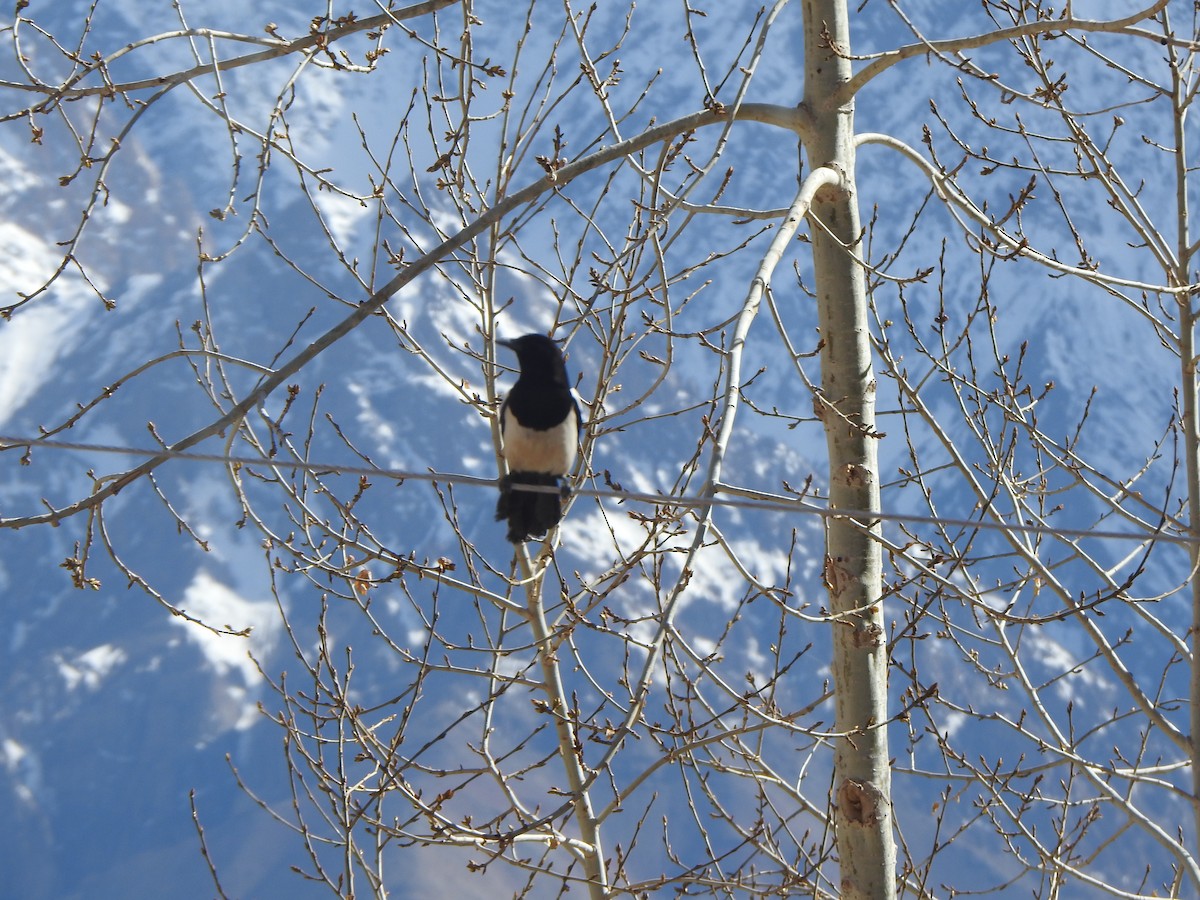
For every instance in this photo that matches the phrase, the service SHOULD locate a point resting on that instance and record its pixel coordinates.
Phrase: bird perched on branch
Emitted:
(539, 423)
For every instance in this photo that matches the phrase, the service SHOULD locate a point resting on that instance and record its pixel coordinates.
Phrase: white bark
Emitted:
(862, 777)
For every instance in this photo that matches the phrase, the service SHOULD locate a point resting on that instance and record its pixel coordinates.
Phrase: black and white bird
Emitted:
(539, 424)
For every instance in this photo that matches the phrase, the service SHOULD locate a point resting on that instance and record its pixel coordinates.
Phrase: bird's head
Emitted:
(538, 356)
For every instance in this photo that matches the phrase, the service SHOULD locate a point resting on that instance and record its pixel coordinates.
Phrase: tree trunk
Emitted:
(853, 561)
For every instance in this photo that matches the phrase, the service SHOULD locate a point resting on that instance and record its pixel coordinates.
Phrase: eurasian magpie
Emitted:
(539, 423)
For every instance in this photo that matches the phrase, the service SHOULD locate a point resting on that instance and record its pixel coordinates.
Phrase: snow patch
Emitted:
(116, 212)
(42, 332)
(370, 419)
(13, 753)
(716, 577)
(220, 607)
(342, 215)
(91, 668)
(14, 175)
(1080, 684)
(24, 769)
(138, 288)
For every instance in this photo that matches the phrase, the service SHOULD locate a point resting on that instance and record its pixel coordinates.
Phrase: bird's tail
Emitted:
(530, 514)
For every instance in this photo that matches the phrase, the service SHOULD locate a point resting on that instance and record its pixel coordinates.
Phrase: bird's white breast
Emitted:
(551, 451)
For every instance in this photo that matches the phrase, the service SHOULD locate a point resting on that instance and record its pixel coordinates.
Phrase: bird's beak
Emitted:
(503, 343)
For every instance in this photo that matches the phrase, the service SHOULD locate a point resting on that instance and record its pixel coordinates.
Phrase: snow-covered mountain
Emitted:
(115, 711)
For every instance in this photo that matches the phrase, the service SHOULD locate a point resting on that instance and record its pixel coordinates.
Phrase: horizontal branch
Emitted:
(280, 48)
(881, 64)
